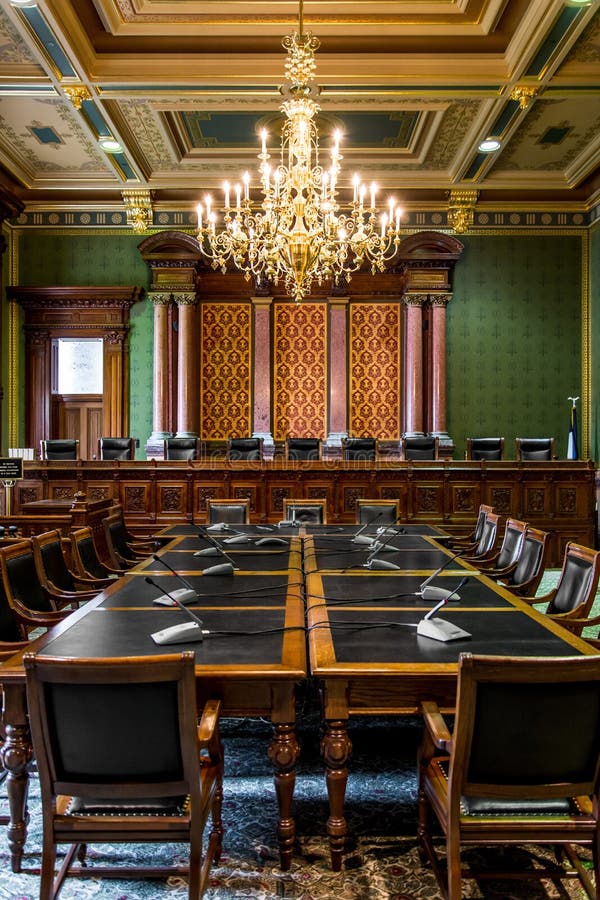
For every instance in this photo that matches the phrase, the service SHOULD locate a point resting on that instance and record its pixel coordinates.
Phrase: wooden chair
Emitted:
(377, 512)
(86, 561)
(59, 449)
(426, 447)
(181, 448)
(485, 448)
(121, 759)
(229, 512)
(525, 578)
(359, 449)
(532, 449)
(521, 766)
(116, 448)
(470, 539)
(487, 542)
(121, 553)
(32, 606)
(305, 512)
(303, 449)
(56, 577)
(502, 563)
(574, 594)
(250, 448)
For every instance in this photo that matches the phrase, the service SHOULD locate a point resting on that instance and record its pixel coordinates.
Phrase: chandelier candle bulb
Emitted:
(226, 193)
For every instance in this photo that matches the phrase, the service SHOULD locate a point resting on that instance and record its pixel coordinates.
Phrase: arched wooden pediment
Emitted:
(429, 245)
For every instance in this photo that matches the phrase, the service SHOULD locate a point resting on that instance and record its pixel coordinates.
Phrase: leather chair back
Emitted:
(21, 578)
(48, 554)
(116, 448)
(60, 449)
(303, 448)
(181, 448)
(577, 582)
(229, 512)
(532, 449)
(485, 448)
(379, 512)
(356, 449)
(419, 448)
(305, 512)
(244, 448)
(512, 543)
(85, 555)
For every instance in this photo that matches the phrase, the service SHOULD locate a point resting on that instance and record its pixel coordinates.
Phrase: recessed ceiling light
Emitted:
(22, 2)
(110, 145)
(489, 145)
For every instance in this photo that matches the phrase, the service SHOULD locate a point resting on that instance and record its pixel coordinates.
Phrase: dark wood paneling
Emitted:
(558, 497)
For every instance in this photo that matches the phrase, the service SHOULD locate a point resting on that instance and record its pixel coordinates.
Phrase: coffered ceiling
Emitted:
(184, 86)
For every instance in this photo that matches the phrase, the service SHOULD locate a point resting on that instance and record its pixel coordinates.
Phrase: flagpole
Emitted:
(572, 443)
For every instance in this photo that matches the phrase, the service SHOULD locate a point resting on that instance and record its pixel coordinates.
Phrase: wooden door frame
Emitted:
(85, 312)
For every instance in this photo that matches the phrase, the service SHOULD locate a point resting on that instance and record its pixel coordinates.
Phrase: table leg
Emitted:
(336, 748)
(16, 754)
(284, 752)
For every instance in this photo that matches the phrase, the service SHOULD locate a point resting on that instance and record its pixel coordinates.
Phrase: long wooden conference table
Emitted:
(357, 624)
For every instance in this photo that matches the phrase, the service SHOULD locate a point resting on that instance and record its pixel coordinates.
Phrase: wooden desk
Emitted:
(249, 660)
(365, 651)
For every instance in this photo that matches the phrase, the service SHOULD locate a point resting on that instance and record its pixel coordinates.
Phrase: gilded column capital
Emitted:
(440, 299)
(415, 299)
(159, 299)
(185, 298)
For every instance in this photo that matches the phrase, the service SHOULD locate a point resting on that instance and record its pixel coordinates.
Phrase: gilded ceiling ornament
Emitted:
(461, 210)
(524, 94)
(77, 93)
(138, 207)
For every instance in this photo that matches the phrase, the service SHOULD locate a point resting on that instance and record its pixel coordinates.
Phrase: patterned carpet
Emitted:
(380, 862)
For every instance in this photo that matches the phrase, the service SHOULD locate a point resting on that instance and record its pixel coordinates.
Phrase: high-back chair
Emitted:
(520, 767)
(121, 554)
(487, 541)
(532, 449)
(377, 512)
(305, 512)
(426, 447)
(59, 449)
(250, 448)
(359, 449)
(116, 448)
(574, 594)
(32, 605)
(86, 561)
(122, 759)
(228, 512)
(525, 578)
(470, 539)
(503, 562)
(303, 448)
(485, 448)
(178, 448)
(56, 577)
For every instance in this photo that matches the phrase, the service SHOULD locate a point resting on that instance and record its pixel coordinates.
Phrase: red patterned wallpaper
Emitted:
(374, 377)
(225, 380)
(300, 370)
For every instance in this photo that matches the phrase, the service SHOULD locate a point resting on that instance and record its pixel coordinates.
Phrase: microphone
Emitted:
(378, 547)
(182, 633)
(214, 550)
(359, 537)
(183, 595)
(221, 569)
(435, 593)
(441, 629)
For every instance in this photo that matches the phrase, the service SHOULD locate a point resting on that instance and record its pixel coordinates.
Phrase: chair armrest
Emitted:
(499, 573)
(69, 596)
(436, 726)
(576, 625)
(93, 584)
(31, 618)
(8, 648)
(208, 722)
(533, 601)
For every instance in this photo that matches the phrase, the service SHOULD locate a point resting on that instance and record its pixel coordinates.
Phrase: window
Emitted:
(77, 366)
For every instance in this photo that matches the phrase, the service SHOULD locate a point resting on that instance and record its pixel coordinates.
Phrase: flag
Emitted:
(572, 445)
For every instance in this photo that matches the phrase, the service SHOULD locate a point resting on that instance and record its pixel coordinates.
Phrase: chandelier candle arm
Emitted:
(299, 232)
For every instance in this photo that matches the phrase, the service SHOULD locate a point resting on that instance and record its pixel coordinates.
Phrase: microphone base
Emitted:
(209, 551)
(436, 593)
(238, 539)
(184, 595)
(380, 564)
(363, 539)
(222, 569)
(178, 634)
(441, 630)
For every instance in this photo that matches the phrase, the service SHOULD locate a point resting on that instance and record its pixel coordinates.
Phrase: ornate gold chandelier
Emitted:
(299, 232)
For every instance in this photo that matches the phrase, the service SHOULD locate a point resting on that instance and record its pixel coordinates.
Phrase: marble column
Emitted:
(338, 376)
(187, 365)
(413, 365)
(437, 405)
(261, 413)
(161, 374)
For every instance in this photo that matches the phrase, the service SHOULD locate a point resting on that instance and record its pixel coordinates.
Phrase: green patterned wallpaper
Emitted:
(514, 338)
(101, 259)
(514, 327)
